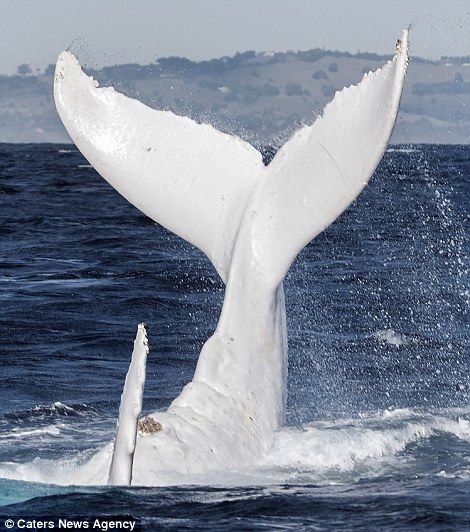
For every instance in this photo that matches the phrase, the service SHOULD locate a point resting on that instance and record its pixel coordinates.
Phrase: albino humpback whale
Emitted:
(213, 190)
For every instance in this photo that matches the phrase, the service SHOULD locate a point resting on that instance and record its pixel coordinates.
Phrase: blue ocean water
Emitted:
(379, 360)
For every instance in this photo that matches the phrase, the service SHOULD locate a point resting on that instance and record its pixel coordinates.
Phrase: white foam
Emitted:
(402, 150)
(343, 445)
(40, 470)
(52, 430)
(321, 452)
(391, 337)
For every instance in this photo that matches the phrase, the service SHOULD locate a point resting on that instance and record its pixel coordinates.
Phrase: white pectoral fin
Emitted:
(318, 173)
(188, 177)
(120, 472)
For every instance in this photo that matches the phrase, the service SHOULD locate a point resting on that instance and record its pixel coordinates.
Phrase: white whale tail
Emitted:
(213, 190)
(197, 181)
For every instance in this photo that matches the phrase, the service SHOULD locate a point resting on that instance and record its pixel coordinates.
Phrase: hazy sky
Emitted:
(117, 31)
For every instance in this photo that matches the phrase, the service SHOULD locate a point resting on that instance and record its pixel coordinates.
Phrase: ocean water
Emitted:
(378, 432)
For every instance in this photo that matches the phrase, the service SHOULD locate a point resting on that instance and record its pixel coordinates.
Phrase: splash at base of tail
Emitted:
(251, 221)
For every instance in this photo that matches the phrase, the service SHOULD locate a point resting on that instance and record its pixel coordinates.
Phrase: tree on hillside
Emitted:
(24, 70)
(319, 74)
(294, 89)
(328, 90)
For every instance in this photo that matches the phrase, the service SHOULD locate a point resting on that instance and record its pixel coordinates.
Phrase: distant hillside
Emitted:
(260, 96)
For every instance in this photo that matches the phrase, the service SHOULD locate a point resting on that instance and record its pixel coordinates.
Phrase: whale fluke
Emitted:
(197, 181)
(317, 174)
(188, 177)
(213, 190)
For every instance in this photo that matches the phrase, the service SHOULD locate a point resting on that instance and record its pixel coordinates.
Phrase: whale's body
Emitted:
(213, 190)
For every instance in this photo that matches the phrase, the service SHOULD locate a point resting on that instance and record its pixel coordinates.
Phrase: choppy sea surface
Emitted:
(378, 430)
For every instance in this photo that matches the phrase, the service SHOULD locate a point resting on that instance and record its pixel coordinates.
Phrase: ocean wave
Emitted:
(343, 445)
(39, 470)
(369, 446)
(51, 430)
(57, 409)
